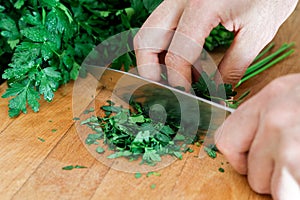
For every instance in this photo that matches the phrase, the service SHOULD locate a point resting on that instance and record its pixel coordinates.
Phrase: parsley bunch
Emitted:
(44, 42)
(47, 49)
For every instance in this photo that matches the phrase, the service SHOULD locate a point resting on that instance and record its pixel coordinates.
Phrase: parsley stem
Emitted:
(264, 67)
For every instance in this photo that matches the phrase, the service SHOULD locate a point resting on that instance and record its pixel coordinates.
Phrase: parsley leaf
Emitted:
(25, 93)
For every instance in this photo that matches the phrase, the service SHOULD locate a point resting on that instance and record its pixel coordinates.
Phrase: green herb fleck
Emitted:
(210, 152)
(153, 186)
(138, 175)
(99, 150)
(221, 170)
(53, 130)
(79, 167)
(71, 167)
(76, 118)
(198, 144)
(153, 173)
(89, 111)
(41, 139)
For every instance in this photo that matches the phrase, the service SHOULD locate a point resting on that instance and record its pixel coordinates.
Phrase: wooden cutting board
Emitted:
(32, 169)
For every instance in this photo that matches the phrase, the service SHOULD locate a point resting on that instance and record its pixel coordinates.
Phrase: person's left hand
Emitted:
(262, 139)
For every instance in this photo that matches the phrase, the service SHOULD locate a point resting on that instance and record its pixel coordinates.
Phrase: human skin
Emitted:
(262, 137)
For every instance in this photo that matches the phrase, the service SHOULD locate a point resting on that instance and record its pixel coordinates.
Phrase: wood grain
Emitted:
(32, 169)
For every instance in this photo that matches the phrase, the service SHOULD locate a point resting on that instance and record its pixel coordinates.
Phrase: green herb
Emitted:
(71, 167)
(41, 139)
(198, 144)
(131, 133)
(89, 110)
(138, 175)
(211, 151)
(190, 150)
(153, 174)
(79, 167)
(99, 150)
(53, 130)
(219, 36)
(153, 186)
(221, 170)
(76, 118)
(207, 88)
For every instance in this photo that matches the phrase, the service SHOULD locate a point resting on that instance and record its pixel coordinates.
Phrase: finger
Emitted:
(154, 37)
(196, 22)
(148, 65)
(283, 185)
(247, 43)
(260, 160)
(235, 136)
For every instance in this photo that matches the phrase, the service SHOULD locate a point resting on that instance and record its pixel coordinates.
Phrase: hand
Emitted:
(262, 139)
(255, 23)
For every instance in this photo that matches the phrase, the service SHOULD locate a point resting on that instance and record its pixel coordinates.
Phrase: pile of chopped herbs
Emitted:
(43, 43)
(131, 133)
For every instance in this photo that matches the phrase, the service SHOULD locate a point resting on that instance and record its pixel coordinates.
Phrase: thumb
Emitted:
(245, 47)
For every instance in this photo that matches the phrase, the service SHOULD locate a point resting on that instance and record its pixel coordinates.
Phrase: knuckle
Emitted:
(272, 122)
(174, 61)
(234, 75)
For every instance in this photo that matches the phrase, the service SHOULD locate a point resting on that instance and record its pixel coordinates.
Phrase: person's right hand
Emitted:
(255, 23)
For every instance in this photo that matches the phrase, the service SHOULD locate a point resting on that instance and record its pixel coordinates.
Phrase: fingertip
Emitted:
(233, 150)
(237, 160)
(148, 65)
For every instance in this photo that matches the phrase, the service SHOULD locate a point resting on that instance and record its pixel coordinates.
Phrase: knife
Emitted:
(193, 113)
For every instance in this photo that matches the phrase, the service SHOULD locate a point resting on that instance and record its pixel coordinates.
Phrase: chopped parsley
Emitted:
(41, 139)
(221, 170)
(71, 167)
(131, 133)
